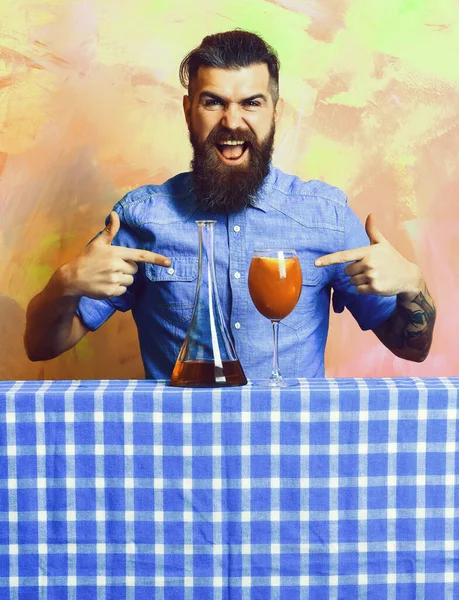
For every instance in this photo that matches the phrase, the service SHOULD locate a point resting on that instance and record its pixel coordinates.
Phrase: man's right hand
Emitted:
(102, 270)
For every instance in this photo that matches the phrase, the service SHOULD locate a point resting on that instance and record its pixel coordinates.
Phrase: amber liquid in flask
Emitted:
(207, 357)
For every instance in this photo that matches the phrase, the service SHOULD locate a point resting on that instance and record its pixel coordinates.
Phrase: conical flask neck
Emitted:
(208, 288)
(207, 280)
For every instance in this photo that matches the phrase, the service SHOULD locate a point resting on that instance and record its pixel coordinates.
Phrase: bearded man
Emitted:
(146, 259)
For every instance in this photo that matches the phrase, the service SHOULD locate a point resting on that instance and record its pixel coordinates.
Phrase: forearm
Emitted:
(52, 326)
(408, 332)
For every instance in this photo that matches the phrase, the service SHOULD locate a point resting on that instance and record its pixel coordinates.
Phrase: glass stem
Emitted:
(275, 375)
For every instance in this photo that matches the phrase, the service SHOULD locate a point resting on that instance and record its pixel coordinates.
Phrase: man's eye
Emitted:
(212, 103)
(252, 103)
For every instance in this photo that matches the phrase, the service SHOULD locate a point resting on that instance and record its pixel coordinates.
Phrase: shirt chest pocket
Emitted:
(171, 291)
(306, 309)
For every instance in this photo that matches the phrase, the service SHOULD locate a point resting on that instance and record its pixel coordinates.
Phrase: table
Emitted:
(334, 489)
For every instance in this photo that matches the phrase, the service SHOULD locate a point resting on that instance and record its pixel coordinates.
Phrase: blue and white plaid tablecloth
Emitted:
(335, 489)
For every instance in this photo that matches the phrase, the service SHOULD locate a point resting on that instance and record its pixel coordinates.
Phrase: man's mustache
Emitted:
(222, 134)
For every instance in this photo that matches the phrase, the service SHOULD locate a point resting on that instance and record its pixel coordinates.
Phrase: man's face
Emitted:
(231, 119)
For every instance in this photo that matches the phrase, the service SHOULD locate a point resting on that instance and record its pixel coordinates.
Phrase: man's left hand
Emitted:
(377, 269)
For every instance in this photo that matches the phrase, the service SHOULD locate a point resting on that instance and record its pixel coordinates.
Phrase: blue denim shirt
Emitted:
(312, 218)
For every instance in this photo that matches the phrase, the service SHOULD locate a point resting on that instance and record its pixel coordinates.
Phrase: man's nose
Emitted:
(232, 117)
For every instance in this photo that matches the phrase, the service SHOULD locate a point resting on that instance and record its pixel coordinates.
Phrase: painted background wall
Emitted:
(90, 107)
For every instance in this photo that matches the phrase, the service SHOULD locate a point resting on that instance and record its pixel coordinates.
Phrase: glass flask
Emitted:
(207, 357)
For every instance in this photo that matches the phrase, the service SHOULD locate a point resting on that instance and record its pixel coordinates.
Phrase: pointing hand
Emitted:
(102, 270)
(376, 269)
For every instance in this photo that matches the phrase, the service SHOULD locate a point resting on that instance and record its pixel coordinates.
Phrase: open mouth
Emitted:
(232, 153)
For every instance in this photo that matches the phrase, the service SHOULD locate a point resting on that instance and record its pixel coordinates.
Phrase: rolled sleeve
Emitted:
(368, 311)
(94, 313)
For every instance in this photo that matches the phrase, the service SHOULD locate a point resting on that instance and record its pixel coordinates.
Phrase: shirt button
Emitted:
(236, 228)
(237, 275)
(237, 325)
(171, 271)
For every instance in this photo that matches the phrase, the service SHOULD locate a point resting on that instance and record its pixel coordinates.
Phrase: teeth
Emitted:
(231, 143)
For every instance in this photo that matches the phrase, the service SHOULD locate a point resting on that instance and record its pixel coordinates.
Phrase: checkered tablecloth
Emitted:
(333, 490)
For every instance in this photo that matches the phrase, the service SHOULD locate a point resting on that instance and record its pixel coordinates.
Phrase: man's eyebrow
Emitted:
(211, 95)
(224, 100)
(255, 97)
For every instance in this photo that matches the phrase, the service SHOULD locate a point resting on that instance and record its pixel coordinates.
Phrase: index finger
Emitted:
(344, 256)
(143, 256)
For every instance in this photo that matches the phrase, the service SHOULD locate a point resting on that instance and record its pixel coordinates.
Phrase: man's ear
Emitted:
(187, 109)
(278, 110)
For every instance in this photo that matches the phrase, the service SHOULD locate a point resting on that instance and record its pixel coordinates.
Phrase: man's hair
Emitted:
(231, 50)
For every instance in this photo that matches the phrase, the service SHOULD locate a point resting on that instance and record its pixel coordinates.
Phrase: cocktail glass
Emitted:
(275, 282)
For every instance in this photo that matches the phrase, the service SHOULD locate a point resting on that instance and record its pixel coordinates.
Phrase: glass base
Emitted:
(274, 383)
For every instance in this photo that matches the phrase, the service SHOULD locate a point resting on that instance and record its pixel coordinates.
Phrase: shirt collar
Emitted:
(264, 193)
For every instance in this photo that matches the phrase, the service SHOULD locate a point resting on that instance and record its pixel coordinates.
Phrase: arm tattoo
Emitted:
(428, 309)
(408, 332)
(417, 325)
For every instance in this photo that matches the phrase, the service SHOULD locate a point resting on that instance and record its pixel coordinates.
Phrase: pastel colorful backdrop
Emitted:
(90, 107)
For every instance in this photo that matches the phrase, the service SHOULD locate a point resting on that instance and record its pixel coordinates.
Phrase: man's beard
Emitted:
(224, 188)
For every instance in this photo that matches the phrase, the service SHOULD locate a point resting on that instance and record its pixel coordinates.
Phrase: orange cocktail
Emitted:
(275, 284)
